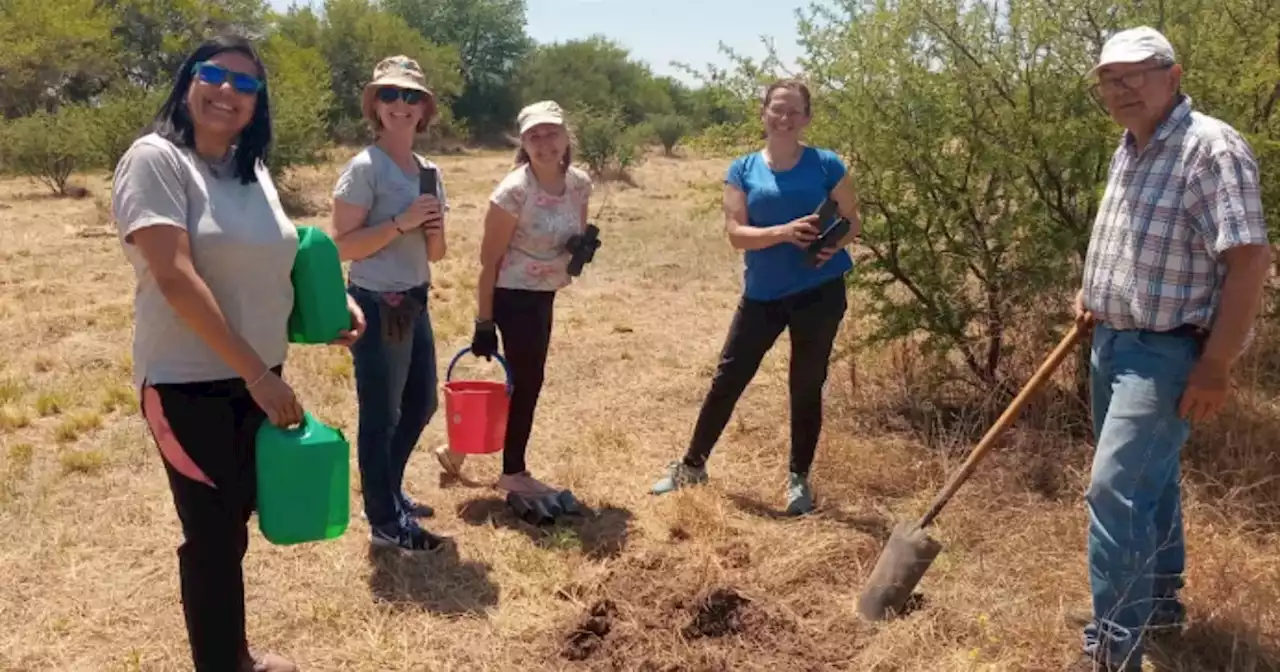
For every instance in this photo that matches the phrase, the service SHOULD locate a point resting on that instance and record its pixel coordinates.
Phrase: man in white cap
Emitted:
(1172, 284)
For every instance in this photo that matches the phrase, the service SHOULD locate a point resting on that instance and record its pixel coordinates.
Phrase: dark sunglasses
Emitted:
(214, 74)
(389, 94)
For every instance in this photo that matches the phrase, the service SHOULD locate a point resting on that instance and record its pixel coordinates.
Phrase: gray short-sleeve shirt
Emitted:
(373, 180)
(242, 245)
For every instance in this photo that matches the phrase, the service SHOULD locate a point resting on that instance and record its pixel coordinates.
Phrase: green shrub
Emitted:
(606, 145)
(669, 129)
(50, 148)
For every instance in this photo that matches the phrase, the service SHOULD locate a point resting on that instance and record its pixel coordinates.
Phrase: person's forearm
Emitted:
(436, 246)
(367, 240)
(484, 292)
(195, 305)
(1239, 305)
(753, 237)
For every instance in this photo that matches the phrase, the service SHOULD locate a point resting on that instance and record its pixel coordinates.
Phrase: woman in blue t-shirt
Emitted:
(770, 197)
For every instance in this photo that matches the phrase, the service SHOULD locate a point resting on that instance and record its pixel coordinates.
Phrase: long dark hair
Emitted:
(522, 157)
(173, 121)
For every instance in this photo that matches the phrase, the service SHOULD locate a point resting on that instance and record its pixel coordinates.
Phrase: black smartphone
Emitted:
(828, 238)
(826, 211)
(427, 181)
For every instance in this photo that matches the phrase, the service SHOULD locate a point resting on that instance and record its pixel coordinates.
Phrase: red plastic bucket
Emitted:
(476, 410)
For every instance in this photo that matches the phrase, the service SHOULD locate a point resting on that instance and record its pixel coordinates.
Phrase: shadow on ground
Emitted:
(871, 525)
(1212, 646)
(601, 533)
(439, 581)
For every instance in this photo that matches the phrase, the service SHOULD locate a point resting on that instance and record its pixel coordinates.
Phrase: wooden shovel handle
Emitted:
(1046, 369)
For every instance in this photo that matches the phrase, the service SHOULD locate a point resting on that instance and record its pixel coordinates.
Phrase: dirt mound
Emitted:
(588, 636)
(722, 612)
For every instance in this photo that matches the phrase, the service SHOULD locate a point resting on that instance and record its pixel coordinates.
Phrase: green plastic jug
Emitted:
(319, 293)
(303, 482)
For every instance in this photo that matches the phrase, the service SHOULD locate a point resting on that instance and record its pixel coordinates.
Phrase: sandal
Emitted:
(451, 466)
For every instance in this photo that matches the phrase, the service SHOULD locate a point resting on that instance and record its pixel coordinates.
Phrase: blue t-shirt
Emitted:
(776, 197)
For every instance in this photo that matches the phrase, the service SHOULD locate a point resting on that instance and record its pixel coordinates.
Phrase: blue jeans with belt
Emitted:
(396, 391)
(1136, 548)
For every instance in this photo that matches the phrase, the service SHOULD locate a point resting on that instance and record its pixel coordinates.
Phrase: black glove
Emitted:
(485, 341)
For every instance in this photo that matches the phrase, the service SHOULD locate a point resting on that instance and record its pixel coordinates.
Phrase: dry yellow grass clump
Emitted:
(712, 579)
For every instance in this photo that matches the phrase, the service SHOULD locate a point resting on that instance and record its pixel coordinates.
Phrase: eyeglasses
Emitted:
(212, 73)
(389, 94)
(1129, 80)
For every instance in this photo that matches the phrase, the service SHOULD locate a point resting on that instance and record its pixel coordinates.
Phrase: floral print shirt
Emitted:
(536, 258)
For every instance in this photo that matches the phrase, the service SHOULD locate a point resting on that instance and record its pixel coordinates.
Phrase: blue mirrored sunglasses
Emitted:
(214, 74)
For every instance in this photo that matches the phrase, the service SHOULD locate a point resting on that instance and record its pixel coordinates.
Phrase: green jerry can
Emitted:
(319, 292)
(304, 477)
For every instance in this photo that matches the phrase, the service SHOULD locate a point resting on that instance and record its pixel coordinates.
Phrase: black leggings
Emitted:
(206, 433)
(814, 318)
(524, 320)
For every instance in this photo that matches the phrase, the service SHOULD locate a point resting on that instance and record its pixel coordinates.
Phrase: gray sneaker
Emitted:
(799, 495)
(678, 476)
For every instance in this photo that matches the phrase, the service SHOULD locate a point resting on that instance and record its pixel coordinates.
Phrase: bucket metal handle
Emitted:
(506, 370)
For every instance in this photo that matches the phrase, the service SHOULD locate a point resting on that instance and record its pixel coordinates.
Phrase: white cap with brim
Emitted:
(1134, 46)
(541, 112)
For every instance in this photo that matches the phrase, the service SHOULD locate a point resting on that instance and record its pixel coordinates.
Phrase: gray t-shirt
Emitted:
(242, 245)
(373, 180)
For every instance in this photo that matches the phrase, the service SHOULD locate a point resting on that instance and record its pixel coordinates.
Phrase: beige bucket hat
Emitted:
(399, 71)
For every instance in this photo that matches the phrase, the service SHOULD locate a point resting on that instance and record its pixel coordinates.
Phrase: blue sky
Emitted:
(660, 31)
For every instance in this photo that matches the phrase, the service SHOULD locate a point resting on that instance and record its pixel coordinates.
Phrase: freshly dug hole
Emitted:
(722, 612)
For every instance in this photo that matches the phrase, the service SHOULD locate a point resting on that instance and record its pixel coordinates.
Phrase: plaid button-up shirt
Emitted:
(1167, 213)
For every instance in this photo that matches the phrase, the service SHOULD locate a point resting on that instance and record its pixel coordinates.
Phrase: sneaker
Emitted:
(678, 476)
(407, 536)
(1169, 615)
(415, 509)
(799, 495)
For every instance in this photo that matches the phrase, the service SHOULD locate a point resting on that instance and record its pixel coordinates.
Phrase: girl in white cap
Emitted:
(388, 218)
(534, 215)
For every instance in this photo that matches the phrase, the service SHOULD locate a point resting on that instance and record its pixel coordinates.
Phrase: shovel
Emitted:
(910, 550)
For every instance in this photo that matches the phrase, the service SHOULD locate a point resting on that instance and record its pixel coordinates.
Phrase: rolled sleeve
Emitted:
(1227, 201)
(148, 190)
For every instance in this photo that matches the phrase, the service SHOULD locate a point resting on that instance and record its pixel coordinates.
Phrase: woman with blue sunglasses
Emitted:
(388, 219)
(201, 223)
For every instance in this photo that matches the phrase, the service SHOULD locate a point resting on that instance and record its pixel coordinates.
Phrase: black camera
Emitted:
(583, 247)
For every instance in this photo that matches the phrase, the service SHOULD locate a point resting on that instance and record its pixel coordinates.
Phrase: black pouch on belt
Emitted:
(398, 310)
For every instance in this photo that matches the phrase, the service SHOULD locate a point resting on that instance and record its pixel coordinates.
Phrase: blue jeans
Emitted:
(396, 392)
(1136, 549)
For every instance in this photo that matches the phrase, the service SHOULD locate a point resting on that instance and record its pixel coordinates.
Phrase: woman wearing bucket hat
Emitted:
(534, 215)
(388, 219)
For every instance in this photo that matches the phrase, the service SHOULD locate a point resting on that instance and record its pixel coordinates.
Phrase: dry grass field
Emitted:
(713, 579)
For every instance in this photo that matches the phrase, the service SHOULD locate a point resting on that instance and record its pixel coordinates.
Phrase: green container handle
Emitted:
(302, 429)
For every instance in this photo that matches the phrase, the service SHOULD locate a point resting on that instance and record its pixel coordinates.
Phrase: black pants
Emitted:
(814, 319)
(206, 436)
(524, 320)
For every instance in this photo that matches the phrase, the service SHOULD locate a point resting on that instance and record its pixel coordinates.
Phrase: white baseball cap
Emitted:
(541, 112)
(1133, 46)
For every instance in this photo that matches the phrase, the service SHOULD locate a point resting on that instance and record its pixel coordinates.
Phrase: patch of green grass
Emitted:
(21, 454)
(19, 463)
(12, 417)
(83, 461)
(10, 390)
(51, 403)
(76, 424)
(119, 398)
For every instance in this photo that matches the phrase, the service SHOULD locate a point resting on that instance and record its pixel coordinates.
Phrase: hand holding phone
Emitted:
(829, 239)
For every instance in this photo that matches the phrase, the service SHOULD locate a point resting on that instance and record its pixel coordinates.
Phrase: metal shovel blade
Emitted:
(902, 563)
